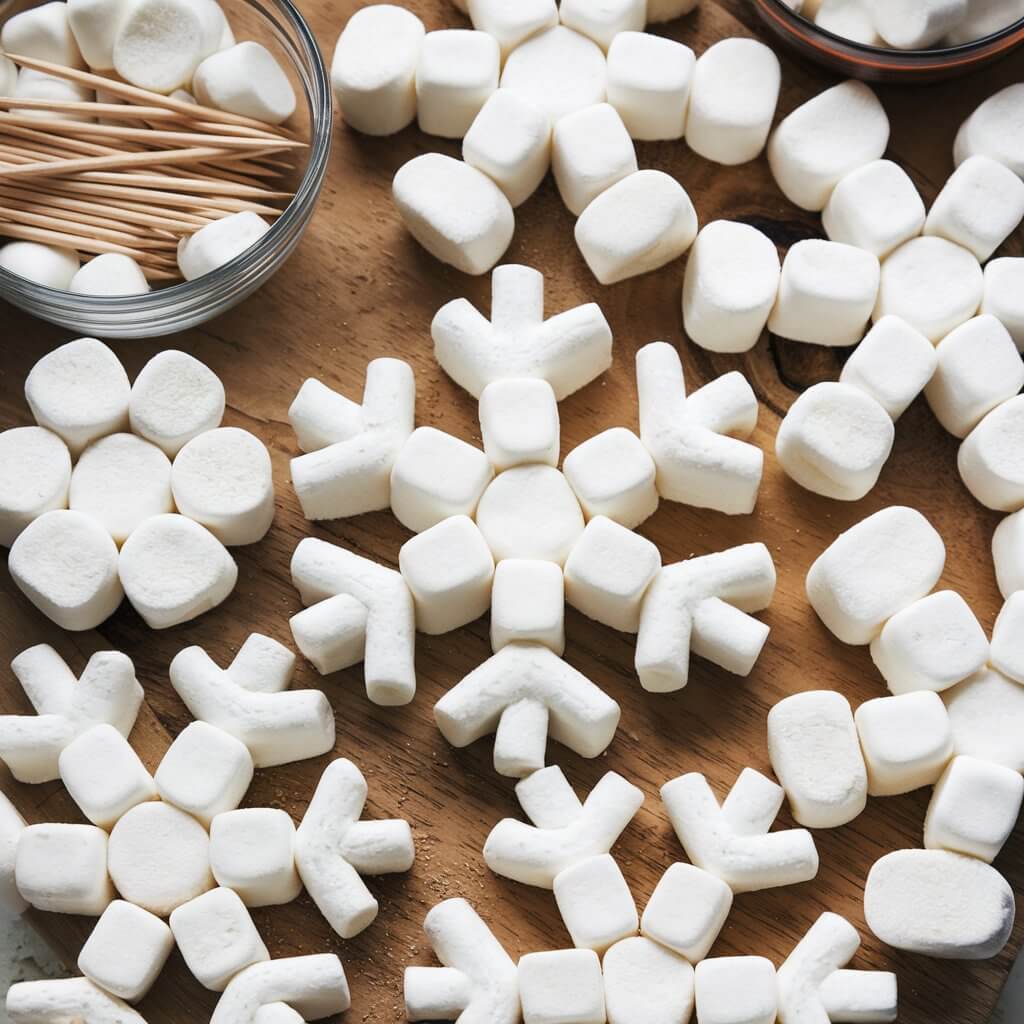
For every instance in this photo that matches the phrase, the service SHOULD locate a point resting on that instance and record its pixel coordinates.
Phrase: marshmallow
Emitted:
(110, 273)
(454, 211)
(217, 937)
(321, 417)
(277, 1013)
(530, 512)
(79, 391)
(106, 693)
(595, 903)
(860, 996)
(126, 951)
(63, 869)
(218, 243)
(436, 476)
(35, 472)
(932, 644)
(603, 22)
(732, 100)
(984, 18)
(95, 25)
(695, 440)
(173, 569)
(850, 19)
(639, 224)
(478, 980)
(826, 293)
(528, 604)
(939, 904)
(735, 990)
(557, 70)
(649, 81)
(892, 364)
(46, 265)
(613, 475)
(547, 798)
(245, 79)
(993, 129)
(933, 284)
(1007, 651)
(251, 853)
(1004, 295)
(510, 141)
(66, 564)
(1008, 554)
(563, 986)
(160, 44)
(205, 772)
(989, 458)
(277, 727)
(687, 910)
(987, 716)
(332, 633)
(826, 138)
(875, 569)
(912, 25)
(30, 1002)
(44, 33)
(373, 72)
(456, 73)
(667, 10)
(12, 824)
(535, 856)
(262, 665)
(568, 350)
(608, 573)
(519, 423)
(645, 984)
(702, 606)
(512, 24)
(815, 753)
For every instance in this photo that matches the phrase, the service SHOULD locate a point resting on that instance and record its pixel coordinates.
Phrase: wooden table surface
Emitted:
(357, 288)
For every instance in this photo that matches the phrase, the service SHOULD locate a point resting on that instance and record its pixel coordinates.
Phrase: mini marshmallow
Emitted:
(639, 224)
(35, 473)
(815, 753)
(205, 772)
(510, 141)
(126, 951)
(547, 798)
(613, 475)
(696, 440)
(989, 460)
(535, 855)
(47, 265)
(251, 853)
(603, 22)
(454, 211)
(219, 242)
(332, 633)
(932, 644)
(63, 869)
(245, 79)
(512, 24)
(79, 391)
(558, 70)
(568, 350)
(1007, 654)
(732, 100)
(987, 716)
(110, 273)
(1008, 554)
(875, 569)
(646, 984)
(687, 910)
(95, 25)
(528, 604)
(277, 1013)
(217, 937)
(12, 824)
(993, 129)
(667, 10)
(892, 364)
(931, 283)
(850, 19)
(160, 44)
(173, 570)
(939, 904)
(912, 25)
(649, 81)
(735, 990)
(1004, 295)
(29, 1002)
(860, 996)
(826, 138)
(457, 71)
(519, 423)
(44, 33)
(595, 903)
(564, 986)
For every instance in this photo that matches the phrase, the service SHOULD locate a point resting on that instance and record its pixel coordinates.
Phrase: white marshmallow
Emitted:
(35, 472)
(277, 1013)
(535, 856)
(454, 211)
(217, 937)
(512, 24)
(984, 18)
(613, 476)
(262, 665)
(321, 417)
(993, 129)
(547, 798)
(510, 141)
(892, 364)
(80, 392)
(595, 903)
(735, 990)
(173, 569)
(557, 70)
(639, 224)
(702, 606)
(519, 423)
(95, 25)
(826, 138)
(695, 440)
(732, 100)
(32, 1002)
(110, 273)
(864, 996)
(939, 904)
(666, 10)
(126, 951)
(815, 753)
(46, 265)
(12, 824)
(63, 869)
(457, 71)
(1004, 295)
(161, 43)
(874, 570)
(604, 21)
(332, 633)
(687, 910)
(1007, 650)
(44, 33)
(528, 604)
(649, 81)
(1008, 554)
(850, 19)
(563, 986)
(251, 853)
(245, 79)
(568, 350)
(989, 458)
(277, 727)
(646, 984)
(219, 242)
(987, 716)
(913, 24)
(932, 284)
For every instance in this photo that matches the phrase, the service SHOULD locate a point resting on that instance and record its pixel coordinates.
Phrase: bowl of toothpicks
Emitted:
(159, 159)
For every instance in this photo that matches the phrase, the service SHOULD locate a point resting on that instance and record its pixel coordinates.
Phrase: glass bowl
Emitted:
(279, 26)
(880, 64)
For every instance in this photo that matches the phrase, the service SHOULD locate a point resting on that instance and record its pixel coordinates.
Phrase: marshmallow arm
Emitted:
(517, 297)
(262, 665)
(31, 746)
(547, 798)
(108, 692)
(727, 637)
(661, 388)
(315, 986)
(521, 738)
(726, 405)
(389, 398)
(12, 824)
(464, 345)
(574, 347)
(379, 847)
(753, 804)
(829, 944)
(860, 997)
(46, 679)
(694, 813)
(345, 479)
(68, 999)
(321, 417)
(436, 993)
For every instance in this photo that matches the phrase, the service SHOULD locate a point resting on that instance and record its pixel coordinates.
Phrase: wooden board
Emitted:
(357, 288)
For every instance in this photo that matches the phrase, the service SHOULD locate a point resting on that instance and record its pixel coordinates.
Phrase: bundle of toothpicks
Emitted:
(154, 169)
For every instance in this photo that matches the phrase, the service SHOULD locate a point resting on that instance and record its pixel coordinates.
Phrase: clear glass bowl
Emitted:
(279, 26)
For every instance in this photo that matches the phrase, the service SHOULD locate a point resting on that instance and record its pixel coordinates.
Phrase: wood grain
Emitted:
(358, 288)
